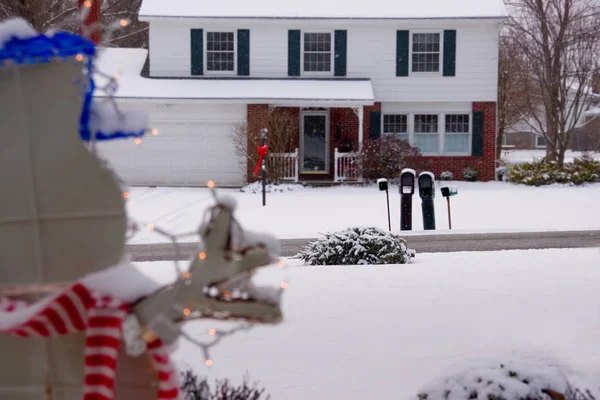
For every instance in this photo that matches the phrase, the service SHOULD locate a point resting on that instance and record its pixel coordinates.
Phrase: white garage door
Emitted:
(194, 145)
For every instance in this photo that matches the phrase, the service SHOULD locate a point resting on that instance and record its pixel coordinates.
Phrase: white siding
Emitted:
(371, 54)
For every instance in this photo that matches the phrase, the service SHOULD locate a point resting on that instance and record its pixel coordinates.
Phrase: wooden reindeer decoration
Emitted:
(62, 229)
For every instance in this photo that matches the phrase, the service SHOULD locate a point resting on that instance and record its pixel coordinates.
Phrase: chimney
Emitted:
(596, 83)
(92, 17)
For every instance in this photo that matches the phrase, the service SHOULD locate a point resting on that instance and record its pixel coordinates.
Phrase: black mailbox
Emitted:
(383, 184)
(426, 185)
(407, 182)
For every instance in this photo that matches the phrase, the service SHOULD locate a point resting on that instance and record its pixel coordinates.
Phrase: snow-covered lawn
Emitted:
(381, 332)
(512, 157)
(304, 213)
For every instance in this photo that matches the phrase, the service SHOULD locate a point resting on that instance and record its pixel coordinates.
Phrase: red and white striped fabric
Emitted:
(101, 317)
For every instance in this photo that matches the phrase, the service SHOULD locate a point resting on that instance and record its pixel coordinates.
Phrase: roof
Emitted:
(325, 9)
(128, 63)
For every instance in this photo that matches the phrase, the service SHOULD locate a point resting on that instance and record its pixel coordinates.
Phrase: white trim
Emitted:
(205, 50)
(332, 58)
(410, 53)
(324, 113)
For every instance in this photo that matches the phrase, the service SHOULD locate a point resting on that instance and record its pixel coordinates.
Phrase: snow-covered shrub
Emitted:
(195, 388)
(470, 174)
(446, 176)
(385, 157)
(256, 187)
(357, 246)
(584, 169)
(511, 381)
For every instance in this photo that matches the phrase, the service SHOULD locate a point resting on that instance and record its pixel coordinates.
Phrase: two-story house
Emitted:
(425, 71)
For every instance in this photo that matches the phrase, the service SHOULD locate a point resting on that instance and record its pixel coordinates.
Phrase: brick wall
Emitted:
(257, 118)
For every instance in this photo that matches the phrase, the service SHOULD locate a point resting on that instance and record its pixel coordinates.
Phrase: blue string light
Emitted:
(42, 49)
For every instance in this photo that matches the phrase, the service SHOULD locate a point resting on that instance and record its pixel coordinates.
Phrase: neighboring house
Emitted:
(425, 71)
(585, 137)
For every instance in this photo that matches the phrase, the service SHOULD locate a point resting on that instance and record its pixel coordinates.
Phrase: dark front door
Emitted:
(315, 143)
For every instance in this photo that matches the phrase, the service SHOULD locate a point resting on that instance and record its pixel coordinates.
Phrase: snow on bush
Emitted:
(581, 170)
(357, 246)
(511, 381)
(470, 174)
(256, 187)
(446, 176)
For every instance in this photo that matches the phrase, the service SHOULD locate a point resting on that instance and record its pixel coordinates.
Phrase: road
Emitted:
(421, 243)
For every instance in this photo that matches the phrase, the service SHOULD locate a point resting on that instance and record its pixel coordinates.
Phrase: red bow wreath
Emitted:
(262, 153)
(80, 309)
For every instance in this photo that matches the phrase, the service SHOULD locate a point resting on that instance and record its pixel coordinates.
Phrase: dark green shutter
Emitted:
(339, 62)
(243, 50)
(197, 49)
(477, 141)
(375, 125)
(450, 53)
(402, 49)
(293, 53)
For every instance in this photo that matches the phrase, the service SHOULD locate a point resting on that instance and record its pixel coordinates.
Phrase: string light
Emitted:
(281, 264)
(123, 23)
(87, 3)
(150, 227)
(202, 255)
(126, 195)
(186, 275)
(208, 363)
(284, 285)
(79, 57)
(154, 131)
(212, 332)
(186, 311)
(211, 184)
(137, 141)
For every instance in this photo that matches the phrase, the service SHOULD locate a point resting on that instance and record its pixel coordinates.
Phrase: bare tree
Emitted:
(45, 14)
(560, 40)
(513, 75)
(282, 137)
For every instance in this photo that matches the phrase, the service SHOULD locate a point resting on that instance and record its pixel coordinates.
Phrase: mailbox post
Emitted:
(447, 192)
(263, 167)
(427, 193)
(407, 190)
(383, 185)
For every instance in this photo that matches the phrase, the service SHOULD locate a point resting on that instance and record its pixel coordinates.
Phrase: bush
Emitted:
(194, 388)
(470, 174)
(506, 382)
(541, 172)
(446, 176)
(357, 246)
(385, 157)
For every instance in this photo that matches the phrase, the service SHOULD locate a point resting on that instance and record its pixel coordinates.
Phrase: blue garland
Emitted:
(42, 49)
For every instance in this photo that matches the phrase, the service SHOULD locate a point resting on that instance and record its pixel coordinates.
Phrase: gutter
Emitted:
(149, 18)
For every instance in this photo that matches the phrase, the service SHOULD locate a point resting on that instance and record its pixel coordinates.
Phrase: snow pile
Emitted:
(256, 187)
(357, 246)
(15, 28)
(511, 381)
(107, 120)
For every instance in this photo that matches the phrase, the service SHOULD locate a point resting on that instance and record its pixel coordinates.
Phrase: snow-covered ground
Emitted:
(304, 213)
(512, 157)
(381, 332)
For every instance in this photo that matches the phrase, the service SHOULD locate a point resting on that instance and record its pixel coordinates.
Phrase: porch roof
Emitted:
(128, 63)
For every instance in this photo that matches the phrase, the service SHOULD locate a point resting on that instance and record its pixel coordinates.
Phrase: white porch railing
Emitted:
(284, 165)
(346, 167)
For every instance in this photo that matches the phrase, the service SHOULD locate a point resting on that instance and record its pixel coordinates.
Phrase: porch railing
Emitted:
(346, 167)
(284, 165)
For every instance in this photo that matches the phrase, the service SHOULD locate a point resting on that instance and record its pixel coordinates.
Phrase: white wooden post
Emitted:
(360, 127)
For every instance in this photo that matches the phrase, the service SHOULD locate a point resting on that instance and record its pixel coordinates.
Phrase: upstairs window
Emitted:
(426, 53)
(317, 52)
(220, 52)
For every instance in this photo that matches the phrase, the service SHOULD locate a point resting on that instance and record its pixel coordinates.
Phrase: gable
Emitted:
(323, 9)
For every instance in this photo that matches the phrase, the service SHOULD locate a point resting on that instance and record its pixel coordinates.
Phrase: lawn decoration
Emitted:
(77, 320)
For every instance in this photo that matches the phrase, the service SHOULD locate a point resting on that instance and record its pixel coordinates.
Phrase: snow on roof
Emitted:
(330, 9)
(128, 63)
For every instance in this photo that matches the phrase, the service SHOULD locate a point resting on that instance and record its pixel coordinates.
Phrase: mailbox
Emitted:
(383, 184)
(426, 185)
(407, 181)
(448, 191)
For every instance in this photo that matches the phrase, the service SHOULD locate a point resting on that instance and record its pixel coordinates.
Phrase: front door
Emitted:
(315, 142)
